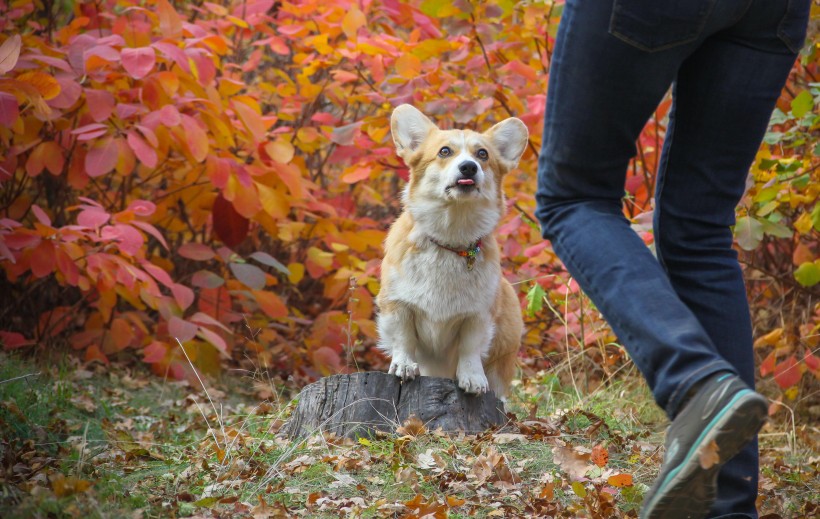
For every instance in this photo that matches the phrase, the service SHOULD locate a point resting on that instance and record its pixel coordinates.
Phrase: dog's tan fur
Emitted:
(436, 317)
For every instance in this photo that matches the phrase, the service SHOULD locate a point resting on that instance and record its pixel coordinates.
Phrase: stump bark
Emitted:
(358, 404)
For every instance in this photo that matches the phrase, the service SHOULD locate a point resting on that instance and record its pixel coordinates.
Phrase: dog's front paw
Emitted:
(471, 378)
(403, 368)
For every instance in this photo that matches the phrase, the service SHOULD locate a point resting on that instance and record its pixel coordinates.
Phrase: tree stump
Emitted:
(358, 404)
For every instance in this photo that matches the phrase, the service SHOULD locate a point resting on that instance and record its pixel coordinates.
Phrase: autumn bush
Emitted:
(203, 181)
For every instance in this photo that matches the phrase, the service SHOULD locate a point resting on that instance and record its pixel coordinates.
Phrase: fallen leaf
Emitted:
(600, 456)
(709, 455)
(413, 426)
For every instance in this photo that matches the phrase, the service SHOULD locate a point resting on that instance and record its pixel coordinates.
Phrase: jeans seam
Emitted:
(661, 177)
(697, 33)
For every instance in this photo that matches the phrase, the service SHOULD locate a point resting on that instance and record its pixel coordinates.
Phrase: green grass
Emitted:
(105, 442)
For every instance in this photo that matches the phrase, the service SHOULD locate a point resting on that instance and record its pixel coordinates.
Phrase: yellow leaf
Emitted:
(365, 442)
(803, 224)
(408, 66)
(579, 489)
(353, 21)
(320, 257)
(273, 202)
(280, 150)
(770, 339)
(297, 272)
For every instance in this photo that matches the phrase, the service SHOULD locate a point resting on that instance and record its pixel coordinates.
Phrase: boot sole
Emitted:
(689, 490)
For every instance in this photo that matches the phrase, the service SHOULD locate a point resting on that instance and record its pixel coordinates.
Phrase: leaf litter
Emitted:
(144, 449)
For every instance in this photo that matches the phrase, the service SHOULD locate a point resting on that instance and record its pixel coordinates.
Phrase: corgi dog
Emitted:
(445, 310)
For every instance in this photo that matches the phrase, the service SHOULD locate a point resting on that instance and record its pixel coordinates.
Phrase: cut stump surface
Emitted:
(358, 404)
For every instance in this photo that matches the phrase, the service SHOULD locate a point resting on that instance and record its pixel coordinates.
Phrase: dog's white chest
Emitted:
(438, 282)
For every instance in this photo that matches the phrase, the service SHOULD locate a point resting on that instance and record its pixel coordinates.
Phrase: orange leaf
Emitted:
(9, 52)
(195, 138)
(620, 480)
(709, 455)
(600, 456)
(252, 120)
(46, 85)
(121, 333)
(352, 22)
(408, 66)
(170, 24)
(271, 304)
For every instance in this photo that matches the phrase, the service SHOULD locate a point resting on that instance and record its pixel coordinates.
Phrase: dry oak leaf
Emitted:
(413, 426)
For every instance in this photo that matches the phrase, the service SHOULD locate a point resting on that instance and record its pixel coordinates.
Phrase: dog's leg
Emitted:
(398, 338)
(473, 343)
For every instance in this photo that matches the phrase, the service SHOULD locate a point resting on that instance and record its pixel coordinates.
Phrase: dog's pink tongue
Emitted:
(466, 181)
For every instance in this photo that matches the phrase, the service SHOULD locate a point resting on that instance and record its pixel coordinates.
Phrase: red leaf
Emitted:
(767, 366)
(14, 340)
(130, 240)
(158, 273)
(196, 252)
(150, 229)
(271, 304)
(101, 157)
(180, 329)
(9, 53)
(214, 339)
(41, 215)
(327, 361)
(142, 207)
(144, 152)
(229, 225)
(93, 217)
(9, 109)
(183, 295)
(43, 259)
(155, 352)
(787, 373)
(138, 62)
(812, 361)
(100, 104)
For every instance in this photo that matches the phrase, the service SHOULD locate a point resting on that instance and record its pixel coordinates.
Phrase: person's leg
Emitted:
(723, 99)
(601, 92)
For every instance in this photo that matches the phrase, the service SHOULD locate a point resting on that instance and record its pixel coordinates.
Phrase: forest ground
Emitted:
(113, 441)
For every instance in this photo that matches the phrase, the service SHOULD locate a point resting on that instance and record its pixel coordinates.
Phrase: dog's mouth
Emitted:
(464, 185)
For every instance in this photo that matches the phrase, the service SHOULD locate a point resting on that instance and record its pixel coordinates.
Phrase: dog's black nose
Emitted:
(468, 168)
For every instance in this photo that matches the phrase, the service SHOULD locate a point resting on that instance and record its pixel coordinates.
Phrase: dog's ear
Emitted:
(409, 128)
(510, 138)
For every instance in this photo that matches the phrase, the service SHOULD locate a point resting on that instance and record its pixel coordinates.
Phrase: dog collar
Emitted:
(469, 254)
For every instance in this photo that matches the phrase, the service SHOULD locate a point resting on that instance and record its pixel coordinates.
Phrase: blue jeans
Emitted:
(684, 315)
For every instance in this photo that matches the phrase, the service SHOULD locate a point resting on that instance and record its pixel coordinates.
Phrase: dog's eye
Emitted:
(445, 152)
(482, 154)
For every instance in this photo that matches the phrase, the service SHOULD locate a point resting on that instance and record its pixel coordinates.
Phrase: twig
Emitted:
(20, 377)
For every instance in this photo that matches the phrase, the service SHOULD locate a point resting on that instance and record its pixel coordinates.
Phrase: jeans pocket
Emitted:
(793, 26)
(654, 25)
